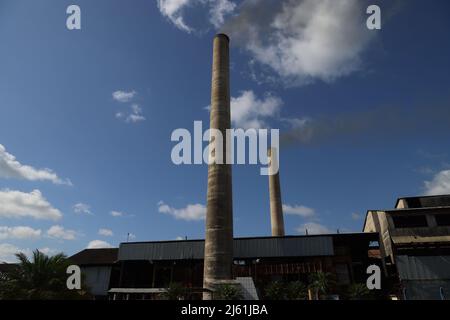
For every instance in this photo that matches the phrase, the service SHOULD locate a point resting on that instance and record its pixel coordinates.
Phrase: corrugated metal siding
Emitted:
(243, 248)
(177, 250)
(283, 247)
(423, 267)
(427, 289)
(97, 279)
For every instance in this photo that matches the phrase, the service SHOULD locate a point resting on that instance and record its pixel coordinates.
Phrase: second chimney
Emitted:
(276, 207)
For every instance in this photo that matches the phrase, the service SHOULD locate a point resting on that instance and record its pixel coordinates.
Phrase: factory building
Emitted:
(97, 267)
(411, 243)
(145, 269)
(415, 245)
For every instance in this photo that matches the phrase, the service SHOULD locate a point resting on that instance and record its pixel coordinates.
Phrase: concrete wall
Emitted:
(430, 233)
(377, 221)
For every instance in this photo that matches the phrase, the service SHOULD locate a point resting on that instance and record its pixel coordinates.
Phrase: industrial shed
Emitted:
(157, 264)
(424, 277)
(97, 268)
(244, 248)
(415, 245)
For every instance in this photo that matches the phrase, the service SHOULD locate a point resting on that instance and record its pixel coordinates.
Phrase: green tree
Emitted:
(319, 282)
(358, 291)
(228, 292)
(175, 291)
(42, 278)
(296, 290)
(275, 291)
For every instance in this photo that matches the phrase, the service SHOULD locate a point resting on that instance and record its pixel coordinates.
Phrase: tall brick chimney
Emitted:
(219, 213)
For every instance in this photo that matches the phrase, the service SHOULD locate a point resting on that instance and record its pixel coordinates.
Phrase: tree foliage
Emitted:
(228, 292)
(175, 291)
(358, 291)
(41, 278)
(320, 282)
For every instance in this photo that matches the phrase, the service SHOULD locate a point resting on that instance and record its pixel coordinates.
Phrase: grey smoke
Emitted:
(378, 123)
(252, 21)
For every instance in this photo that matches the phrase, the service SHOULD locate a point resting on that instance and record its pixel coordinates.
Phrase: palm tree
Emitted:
(275, 291)
(228, 292)
(41, 278)
(358, 291)
(319, 282)
(296, 290)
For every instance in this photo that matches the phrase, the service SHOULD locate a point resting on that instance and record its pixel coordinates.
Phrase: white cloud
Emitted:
(105, 232)
(248, 111)
(124, 96)
(10, 168)
(218, 11)
(299, 210)
(98, 244)
(440, 184)
(303, 40)
(313, 228)
(190, 212)
(17, 204)
(131, 236)
(179, 238)
(20, 232)
(82, 208)
(174, 11)
(59, 232)
(135, 115)
(135, 118)
(8, 251)
(356, 216)
(117, 213)
(48, 251)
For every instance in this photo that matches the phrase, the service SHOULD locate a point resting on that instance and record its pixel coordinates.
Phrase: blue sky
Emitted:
(86, 115)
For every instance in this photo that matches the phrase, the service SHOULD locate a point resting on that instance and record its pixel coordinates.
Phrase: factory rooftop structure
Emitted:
(415, 244)
(423, 202)
(157, 264)
(243, 248)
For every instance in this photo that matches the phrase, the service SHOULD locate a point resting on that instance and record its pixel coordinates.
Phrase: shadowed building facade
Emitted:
(219, 213)
(143, 270)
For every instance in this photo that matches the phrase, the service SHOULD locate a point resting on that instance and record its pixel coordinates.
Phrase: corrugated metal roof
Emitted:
(243, 248)
(173, 250)
(101, 256)
(423, 267)
(283, 247)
